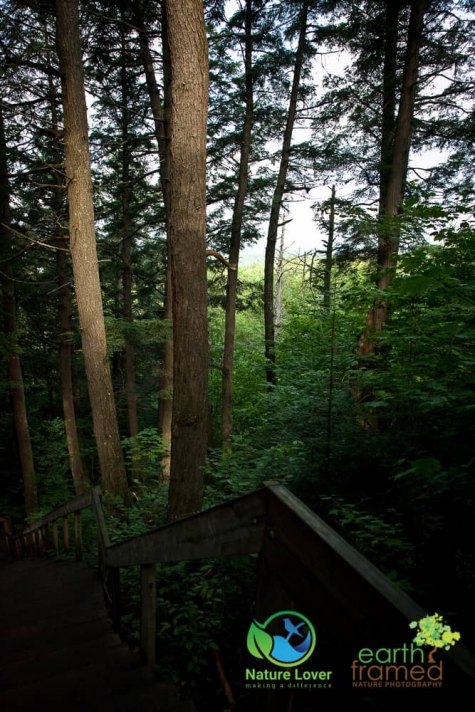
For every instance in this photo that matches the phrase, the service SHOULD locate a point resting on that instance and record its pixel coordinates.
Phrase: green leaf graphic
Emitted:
(259, 643)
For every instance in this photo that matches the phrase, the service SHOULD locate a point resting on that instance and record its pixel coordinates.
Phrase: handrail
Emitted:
(82, 501)
(232, 528)
(304, 563)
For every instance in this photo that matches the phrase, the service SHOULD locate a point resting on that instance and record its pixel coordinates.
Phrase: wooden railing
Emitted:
(304, 565)
(5, 535)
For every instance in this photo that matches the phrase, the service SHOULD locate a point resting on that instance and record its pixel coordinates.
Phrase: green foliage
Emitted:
(53, 476)
(202, 605)
(141, 333)
(143, 455)
(381, 538)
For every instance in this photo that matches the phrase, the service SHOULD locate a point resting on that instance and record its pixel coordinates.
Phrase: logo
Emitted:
(292, 645)
(407, 665)
(432, 631)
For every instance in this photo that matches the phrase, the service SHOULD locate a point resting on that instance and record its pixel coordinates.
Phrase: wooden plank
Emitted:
(66, 533)
(228, 529)
(78, 535)
(116, 608)
(74, 505)
(148, 618)
(33, 543)
(6, 523)
(102, 534)
(343, 583)
(40, 542)
(55, 536)
(272, 596)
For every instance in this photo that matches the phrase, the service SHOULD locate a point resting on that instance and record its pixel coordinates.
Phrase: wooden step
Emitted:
(58, 650)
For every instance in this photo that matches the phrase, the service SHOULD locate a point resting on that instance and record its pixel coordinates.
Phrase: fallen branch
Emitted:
(224, 680)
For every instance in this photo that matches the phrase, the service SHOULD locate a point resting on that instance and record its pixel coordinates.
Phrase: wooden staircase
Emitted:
(58, 649)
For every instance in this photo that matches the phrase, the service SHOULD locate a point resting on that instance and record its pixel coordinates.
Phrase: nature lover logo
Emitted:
(286, 640)
(293, 647)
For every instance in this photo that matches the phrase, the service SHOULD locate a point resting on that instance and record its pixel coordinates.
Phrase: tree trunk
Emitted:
(127, 277)
(65, 323)
(280, 281)
(327, 277)
(388, 123)
(84, 252)
(393, 177)
(187, 235)
(67, 391)
(235, 244)
(15, 376)
(161, 117)
(277, 204)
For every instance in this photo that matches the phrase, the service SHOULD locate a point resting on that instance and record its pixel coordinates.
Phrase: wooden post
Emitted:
(100, 560)
(6, 540)
(271, 597)
(148, 593)
(78, 534)
(66, 533)
(115, 599)
(34, 544)
(55, 536)
(41, 548)
(47, 539)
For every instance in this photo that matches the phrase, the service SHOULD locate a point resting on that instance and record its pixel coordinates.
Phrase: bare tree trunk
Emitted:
(161, 118)
(280, 281)
(84, 252)
(187, 235)
(15, 376)
(327, 278)
(277, 204)
(235, 244)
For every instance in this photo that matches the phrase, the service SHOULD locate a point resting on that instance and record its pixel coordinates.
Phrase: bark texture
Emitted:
(84, 252)
(65, 322)
(187, 235)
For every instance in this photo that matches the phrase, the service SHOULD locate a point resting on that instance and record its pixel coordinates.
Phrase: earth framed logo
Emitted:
(293, 646)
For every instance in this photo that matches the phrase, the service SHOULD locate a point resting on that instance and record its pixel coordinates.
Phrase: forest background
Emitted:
(345, 373)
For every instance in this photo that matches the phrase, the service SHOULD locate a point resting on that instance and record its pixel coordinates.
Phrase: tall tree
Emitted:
(161, 119)
(187, 235)
(269, 331)
(15, 375)
(236, 227)
(65, 319)
(393, 175)
(84, 252)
